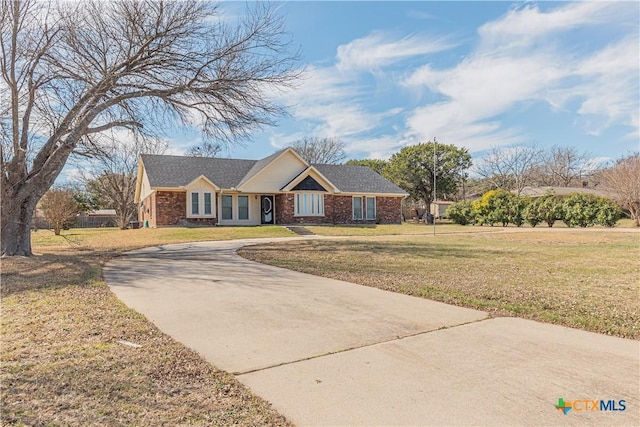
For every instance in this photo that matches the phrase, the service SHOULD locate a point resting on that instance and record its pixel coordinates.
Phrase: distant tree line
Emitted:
(509, 169)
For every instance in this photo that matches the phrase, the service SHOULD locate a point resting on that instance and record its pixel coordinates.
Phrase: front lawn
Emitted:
(66, 357)
(586, 279)
(442, 227)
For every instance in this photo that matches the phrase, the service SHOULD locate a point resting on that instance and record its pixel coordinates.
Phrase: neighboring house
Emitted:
(279, 189)
(97, 218)
(534, 192)
(439, 207)
(90, 219)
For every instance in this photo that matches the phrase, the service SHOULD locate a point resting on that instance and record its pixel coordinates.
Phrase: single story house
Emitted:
(97, 218)
(279, 189)
(534, 192)
(439, 208)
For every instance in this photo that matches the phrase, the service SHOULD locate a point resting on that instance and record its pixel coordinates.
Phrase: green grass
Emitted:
(407, 228)
(112, 239)
(442, 227)
(60, 359)
(587, 279)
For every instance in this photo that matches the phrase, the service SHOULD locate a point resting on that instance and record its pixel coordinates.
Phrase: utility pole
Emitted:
(435, 206)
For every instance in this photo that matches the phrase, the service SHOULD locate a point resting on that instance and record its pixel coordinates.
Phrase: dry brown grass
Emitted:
(442, 227)
(587, 279)
(61, 360)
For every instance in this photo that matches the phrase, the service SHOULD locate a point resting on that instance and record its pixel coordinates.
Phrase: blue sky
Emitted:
(383, 75)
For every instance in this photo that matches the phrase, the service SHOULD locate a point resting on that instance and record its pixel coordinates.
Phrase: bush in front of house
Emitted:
(500, 206)
(547, 208)
(462, 213)
(517, 208)
(484, 208)
(586, 210)
(503, 207)
(609, 213)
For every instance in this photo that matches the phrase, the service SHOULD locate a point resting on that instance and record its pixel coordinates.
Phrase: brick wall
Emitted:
(389, 210)
(285, 209)
(199, 221)
(171, 207)
(339, 210)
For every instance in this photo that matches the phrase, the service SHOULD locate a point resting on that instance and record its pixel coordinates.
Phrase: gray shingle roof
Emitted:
(357, 179)
(177, 171)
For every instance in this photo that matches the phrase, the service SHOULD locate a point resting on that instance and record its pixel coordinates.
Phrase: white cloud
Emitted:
(328, 103)
(527, 25)
(476, 91)
(417, 14)
(611, 88)
(501, 74)
(595, 163)
(331, 100)
(382, 147)
(281, 140)
(380, 49)
(526, 56)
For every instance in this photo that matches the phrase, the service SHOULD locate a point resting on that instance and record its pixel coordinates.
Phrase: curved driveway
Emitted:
(327, 352)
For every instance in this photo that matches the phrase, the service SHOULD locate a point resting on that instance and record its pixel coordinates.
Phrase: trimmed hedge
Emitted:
(503, 207)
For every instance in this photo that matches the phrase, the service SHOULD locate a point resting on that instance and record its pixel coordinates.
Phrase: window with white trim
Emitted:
(227, 207)
(200, 203)
(371, 208)
(207, 204)
(195, 205)
(243, 207)
(309, 204)
(357, 207)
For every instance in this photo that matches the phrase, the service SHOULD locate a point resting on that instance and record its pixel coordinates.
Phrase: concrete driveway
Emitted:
(326, 352)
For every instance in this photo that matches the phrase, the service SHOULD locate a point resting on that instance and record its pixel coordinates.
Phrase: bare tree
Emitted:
(71, 70)
(510, 168)
(562, 166)
(320, 150)
(205, 149)
(623, 180)
(60, 208)
(111, 178)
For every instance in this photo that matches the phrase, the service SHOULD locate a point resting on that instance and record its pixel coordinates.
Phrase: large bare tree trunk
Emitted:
(16, 225)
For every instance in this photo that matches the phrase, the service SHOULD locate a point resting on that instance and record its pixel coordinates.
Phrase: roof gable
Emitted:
(201, 181)
(259, 165)
(308, 184)
(316, 176)
(271, 173)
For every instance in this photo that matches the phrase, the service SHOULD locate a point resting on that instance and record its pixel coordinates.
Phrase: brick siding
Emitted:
(171, 209)
(389, 210)
(339, 210)
(168, 208)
